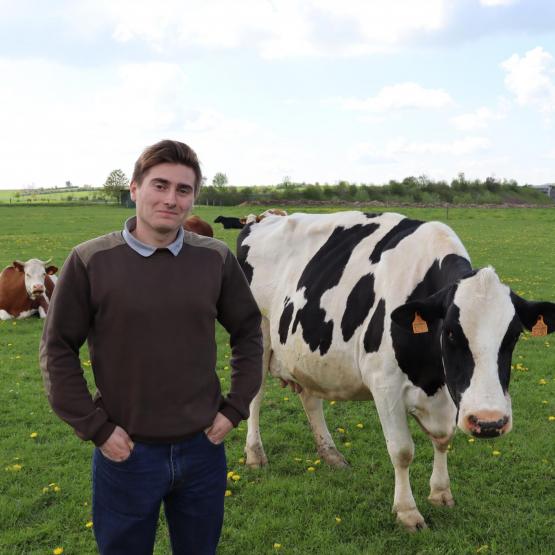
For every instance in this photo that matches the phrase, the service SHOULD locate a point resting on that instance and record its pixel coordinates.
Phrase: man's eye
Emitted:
(184, 190)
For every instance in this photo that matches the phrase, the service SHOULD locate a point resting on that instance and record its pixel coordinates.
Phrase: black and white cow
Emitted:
(346, 300)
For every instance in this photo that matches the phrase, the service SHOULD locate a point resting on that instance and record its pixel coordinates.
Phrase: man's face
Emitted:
(165, 197)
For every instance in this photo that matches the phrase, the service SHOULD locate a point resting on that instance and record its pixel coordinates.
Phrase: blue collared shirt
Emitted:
(147, 250)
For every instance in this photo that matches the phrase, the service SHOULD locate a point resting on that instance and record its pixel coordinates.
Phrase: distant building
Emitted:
(548, 189)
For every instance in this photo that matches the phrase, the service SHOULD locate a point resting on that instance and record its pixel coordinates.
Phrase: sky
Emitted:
(310, 90)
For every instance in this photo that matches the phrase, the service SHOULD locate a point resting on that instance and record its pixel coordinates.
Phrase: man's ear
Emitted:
(133, 190)
(411, 316)
(532, 313)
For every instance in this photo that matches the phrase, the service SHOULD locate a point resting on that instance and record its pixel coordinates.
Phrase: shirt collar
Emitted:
(147, 250)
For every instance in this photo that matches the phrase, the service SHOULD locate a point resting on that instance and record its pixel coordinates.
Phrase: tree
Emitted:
(219, 180)
(116, 183)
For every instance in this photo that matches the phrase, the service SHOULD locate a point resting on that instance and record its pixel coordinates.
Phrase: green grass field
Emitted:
(505, 504)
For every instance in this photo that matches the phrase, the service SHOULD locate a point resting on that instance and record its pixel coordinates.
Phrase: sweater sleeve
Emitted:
(65, 330)
(240, 316)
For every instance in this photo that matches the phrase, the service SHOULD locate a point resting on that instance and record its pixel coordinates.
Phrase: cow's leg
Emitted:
(400, 447)
(440, 487)
(313, 406)
(5, 315)
(254, 451)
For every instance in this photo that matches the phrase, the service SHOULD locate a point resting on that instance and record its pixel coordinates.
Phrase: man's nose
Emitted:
(170, 197)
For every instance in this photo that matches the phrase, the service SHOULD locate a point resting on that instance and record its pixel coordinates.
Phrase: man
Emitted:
(147, 300)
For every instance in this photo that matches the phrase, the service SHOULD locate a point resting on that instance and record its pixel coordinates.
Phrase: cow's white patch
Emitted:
(5, 315)
(26, 314)
(486, 310)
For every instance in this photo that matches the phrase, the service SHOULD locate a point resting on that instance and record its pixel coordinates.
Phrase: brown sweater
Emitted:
(150, 326)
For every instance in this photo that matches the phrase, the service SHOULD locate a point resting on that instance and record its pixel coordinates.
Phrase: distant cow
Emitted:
(26, 288)
(198, 226)
(381, 306)
(230, 223)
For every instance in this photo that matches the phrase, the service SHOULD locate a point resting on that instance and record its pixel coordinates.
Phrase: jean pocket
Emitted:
(210, 441)
(124, 461)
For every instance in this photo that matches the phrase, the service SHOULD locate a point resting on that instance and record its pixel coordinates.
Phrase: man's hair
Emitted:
(167, 151)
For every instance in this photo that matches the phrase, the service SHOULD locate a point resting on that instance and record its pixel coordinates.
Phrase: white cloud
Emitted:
(479, 119)
(497, 2)
(276, 29)
(531, 79)
(402, 96)
(398, 148)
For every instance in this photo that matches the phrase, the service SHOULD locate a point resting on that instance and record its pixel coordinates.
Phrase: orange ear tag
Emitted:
(419, 325)
(540, 328)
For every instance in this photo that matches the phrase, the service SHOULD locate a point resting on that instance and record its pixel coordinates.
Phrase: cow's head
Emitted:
(478, 322)
(34, 271)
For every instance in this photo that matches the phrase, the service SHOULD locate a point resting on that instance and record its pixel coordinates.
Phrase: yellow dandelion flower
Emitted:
(496, 453)
(89, 524)
(226, 367)
(347, 444)
(471, 440)
(310, 469)
(56, 489)
(228, 493)
(52, 485)
(277, 545)
(14, 468)
(337, 519)
(33, 435)
(341, 430)
(58, 551)
(360, 425)
(45, 490)
(317, 461)
(333, 402)
(543, 381)
(286, 398)
(482, 549)
(230, 474)
(544, 402)
(236, 477)
(241, 460)
(551, 418)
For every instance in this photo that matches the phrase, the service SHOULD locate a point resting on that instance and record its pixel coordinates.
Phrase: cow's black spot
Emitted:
(393, 237)
(243, 251)
(459, 362)
(323, 272)
(285, 320)
(451, 269)
(506, 352)
(374, 333)
(359, 303)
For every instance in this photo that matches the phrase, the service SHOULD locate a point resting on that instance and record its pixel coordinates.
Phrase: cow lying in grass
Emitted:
(26, 288)
(369, 306)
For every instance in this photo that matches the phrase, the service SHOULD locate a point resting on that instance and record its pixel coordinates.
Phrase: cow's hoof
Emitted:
(255, 457)
(411, 520)
(334, 458)
(442, 498)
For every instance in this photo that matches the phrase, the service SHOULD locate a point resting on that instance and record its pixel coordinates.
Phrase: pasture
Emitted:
(504, 488)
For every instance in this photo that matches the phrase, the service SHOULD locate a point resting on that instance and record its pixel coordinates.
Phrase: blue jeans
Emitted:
(189, 477)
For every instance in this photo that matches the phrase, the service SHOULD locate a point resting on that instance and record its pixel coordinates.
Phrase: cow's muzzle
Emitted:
(487, 426)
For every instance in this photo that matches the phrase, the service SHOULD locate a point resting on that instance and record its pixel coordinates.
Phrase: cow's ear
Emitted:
(18, 265)
(532, 313)
(51, 270)
(410, 315)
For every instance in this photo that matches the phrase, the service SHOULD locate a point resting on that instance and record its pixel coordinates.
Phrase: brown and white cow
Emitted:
(198, 226)
(26, 288)
(361, 306)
